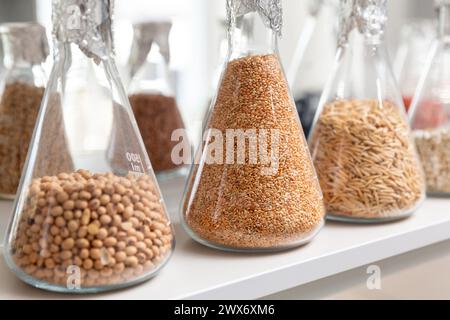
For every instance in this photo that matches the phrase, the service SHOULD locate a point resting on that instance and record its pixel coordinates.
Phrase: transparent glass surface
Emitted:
(253, 187)
(89, 215)
(307, 74)
(416, 40)
(361, 142)
(22, 85)
(430, 113)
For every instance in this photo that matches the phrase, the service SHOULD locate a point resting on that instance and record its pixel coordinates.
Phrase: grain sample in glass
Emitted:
(21, 91)
(19, 108)
(157, 117)
(152, 97)
(361, 142)
(430, 109)
(433, 146)
(255, 188)
(89, 216)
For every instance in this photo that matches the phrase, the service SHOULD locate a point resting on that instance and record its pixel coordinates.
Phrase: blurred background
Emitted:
(197, 39)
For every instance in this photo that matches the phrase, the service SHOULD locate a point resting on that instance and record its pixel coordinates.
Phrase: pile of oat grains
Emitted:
(366, 160)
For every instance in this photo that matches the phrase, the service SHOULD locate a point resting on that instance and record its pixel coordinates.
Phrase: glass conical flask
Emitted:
(254, 187)
(2, 66)
(222, 58)
(22, 85)
(430, 111)
(87, 219)
(416, 40)
(361, 143)
(306, 74)
(153, 98)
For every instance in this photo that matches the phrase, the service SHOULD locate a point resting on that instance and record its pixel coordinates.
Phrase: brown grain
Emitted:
(434, 150)
(235, 205)
(366, 160)
(157, 117)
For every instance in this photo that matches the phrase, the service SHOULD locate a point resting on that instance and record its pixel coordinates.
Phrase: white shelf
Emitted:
(197, 272)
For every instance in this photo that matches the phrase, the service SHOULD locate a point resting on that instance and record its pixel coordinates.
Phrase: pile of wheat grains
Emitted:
(235, 205)
(434, 150)
(366, 160)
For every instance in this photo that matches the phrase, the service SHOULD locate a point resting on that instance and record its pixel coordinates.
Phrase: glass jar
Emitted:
(21, 89)
(253, 187)
(153, 98)
(416, 40)
(430, 111)
(88, 217)
(361, 143)
(306, 74)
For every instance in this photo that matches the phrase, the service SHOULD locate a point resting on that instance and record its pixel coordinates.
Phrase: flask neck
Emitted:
(357, 39)
(444, 22)
(250, 36)
(72, 63)
(24, 45)
(18, 68)
(153, 75)
(14, 62)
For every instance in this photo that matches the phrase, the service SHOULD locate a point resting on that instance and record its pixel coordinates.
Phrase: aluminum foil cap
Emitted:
(369, 17)
(271, 12)
(145, 35)
(86, 23)
(24, 41)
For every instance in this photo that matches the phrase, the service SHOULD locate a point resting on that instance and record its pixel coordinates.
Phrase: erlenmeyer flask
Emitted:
(361, 143)
(86, 219)
(254, 187)
(21, 91)
(152, 97)
(430, 111)
(417, 38)
(307, 75)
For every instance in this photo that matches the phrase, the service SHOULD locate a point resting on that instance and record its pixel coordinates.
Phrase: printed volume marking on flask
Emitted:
(135, 162)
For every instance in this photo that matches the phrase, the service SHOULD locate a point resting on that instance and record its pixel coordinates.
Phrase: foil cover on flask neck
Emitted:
(270, 11)
(24, 42)
(369, 17)
(86, 23)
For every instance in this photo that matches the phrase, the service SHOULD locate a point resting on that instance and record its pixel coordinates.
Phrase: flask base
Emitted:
(357, 220)
(181, 171)
(285, 247)
(78, 290)
(375, 220)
